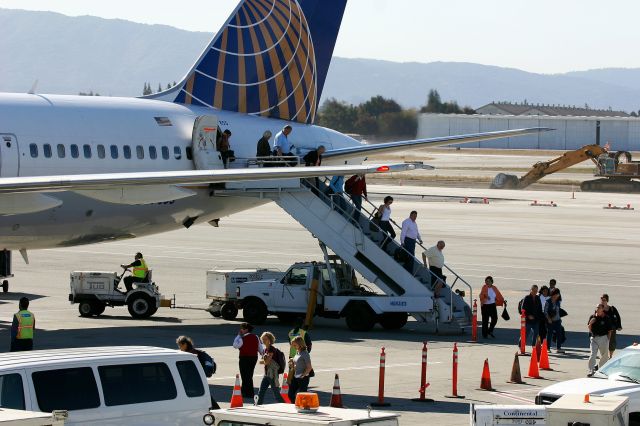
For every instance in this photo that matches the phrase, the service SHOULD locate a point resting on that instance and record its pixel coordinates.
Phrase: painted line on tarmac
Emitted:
(331, 370)
(514, 397)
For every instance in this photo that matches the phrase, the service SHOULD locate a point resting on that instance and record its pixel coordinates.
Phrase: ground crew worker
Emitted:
(22, 328)
(299, 330)
(138, 273)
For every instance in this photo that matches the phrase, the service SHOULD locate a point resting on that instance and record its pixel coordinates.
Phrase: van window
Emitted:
(46, 148)
(165, 152)
(190, 378)
(11, 392)
(114, 152)
(66, 389)
(75, 153)
(33, 148)
(136, 383)
(177, 152)
(189, 153)
(140, 152)
(126, 151)
(153, 153)
(101, 153)
(87, 151)
(61, 151)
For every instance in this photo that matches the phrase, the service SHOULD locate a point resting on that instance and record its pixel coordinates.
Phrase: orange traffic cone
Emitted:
(544, 357)
(236, 397)
(534, 373)
(284, 389)
(336, 396)
(485, 381)
(538, 347)
(516, 376)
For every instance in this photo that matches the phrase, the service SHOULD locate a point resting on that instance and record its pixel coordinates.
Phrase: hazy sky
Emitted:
(540, 36)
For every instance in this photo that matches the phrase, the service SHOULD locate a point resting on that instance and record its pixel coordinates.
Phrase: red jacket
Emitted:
(484, 295)
(356, 185)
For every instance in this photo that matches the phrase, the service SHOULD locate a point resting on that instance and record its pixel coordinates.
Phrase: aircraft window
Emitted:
(101, 153)
(140, 152)
(46, 148)
(189, 153)
(61, 151)
(34, 150)
(126, 151)
(87, 151)
(75, 153)
(165, 152)
(114, 152)
(153, 153)
(177, 152)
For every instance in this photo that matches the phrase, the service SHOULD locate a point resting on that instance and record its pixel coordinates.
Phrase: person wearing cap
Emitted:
(24, 323)
(264, 149)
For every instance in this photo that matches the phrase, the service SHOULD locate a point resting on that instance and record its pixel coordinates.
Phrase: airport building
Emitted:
(571, 131)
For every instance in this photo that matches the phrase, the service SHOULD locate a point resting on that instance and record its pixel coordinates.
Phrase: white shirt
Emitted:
(281, 141)
(409, 230)
(434, 256)
(491, 296)
(237, 343)
(386, 214)
(543, 300)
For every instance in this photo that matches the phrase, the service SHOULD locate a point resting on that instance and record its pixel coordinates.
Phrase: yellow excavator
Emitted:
(615, 168)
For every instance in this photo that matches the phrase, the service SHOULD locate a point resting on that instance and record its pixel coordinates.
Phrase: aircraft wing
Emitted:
(110, 181)
(381, 148)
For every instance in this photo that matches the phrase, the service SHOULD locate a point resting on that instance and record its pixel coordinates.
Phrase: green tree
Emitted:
(147, 89)
(403, 123)
(337, 115)
(159, 88)
(378, 105)
(434, 102)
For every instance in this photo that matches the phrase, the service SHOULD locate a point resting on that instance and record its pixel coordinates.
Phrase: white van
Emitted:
(133, 385)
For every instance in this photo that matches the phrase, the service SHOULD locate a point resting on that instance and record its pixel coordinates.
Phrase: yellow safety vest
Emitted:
(292, 335)
(140, 271)
(26, 321)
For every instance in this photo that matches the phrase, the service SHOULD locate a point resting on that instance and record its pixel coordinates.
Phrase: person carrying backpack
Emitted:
(208, 364)
(274, 364)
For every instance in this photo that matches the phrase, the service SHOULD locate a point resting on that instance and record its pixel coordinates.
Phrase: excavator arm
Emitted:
(542, 169)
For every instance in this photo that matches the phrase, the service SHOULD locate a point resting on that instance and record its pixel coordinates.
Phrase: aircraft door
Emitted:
(203, 142)
(9, 159)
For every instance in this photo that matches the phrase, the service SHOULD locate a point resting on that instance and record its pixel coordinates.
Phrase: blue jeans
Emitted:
(555, 328)
(264, 385)
(532, 327)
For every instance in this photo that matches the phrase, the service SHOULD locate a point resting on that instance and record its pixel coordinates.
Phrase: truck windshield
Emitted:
(626, 363)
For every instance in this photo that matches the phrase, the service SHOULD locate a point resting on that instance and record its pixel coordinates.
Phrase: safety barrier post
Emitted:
(474, 322)
(423, 379)
(380, 402)
(454, 387)
(523, 332)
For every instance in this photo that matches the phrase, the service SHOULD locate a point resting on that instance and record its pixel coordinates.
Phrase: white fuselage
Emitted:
(48, 135)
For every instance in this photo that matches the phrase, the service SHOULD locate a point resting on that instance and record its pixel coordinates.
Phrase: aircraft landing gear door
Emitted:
(9, 159)
(295, 291)
(203, 141)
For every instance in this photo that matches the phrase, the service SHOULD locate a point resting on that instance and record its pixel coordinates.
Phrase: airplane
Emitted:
(81, 170)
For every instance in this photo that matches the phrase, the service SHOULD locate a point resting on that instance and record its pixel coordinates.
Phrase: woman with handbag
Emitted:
(490, 297)
(300, 366)
(554, 322)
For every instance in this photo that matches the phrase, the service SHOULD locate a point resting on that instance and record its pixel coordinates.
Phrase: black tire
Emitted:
(141, 306)
(214, 309)
(393, 320)
(5, 286)
(360, 318)
(229, 311)
(254, 311)
(85, 308)
(98, 308)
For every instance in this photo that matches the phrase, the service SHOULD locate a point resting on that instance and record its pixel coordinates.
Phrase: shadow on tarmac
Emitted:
(10, 297)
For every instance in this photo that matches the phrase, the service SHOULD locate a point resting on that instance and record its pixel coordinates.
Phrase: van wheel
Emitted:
(85, 309)
(393, 320)
(140, 306)
(228, 311)
(360, 318)
(254, 311)
(5, 286)
(98, 308)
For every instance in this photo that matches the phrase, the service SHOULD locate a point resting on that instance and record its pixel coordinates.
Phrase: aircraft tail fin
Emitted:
(270, 58)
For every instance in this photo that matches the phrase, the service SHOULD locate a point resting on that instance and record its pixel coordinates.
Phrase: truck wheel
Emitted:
(228, 311)
(85, 309)
(393, 320)
(254, 311)
(214, 309)
(360, 318)
(5, 286)
(98, 308)
(140, 306)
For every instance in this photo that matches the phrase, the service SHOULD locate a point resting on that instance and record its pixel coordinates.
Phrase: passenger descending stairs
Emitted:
(359, 242)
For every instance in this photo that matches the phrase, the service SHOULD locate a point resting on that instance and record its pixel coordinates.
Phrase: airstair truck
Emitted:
(335, 290)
